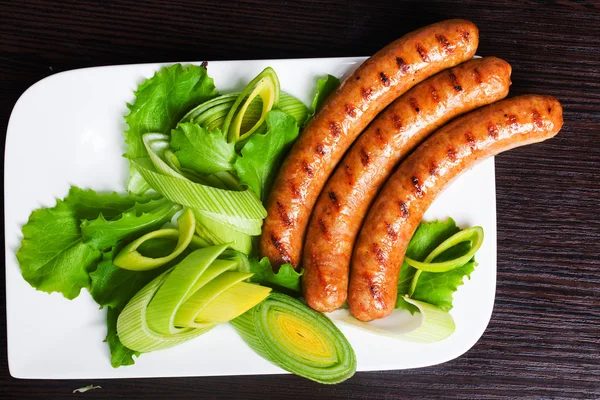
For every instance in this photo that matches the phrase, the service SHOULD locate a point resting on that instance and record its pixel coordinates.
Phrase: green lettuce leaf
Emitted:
(53, 256)
(113, 287)
(286, 279)
(325, 86)
(135, 222)
(162, 100)
(433, 288)
(263, 153)
(63, 244)
(119, 354)
(202, 151)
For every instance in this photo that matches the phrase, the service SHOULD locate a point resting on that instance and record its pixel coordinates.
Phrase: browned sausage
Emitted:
(345, 200)
(400, 205)
(374, 85)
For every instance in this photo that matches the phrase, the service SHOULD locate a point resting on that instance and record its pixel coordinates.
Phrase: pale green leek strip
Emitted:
(473, 235)
(156, 145)
(265, 85)
(187, 312)
(212, 113)
(233, 302)
(236, 204)
(129, 258)
(434, 323)
(437, 324)
(216, 232)
(133, 329)
(177, 288)
(207, 108)
(291, 335)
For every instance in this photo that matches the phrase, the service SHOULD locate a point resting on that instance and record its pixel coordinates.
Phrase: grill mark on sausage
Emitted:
(384, 79)
(478, 78)
(295, 192)
(349, 108)
(454, 81)
(404, 209)
(434, 95)
(396, 121)
(349, 174)
(335, 129)
(417, 185)
(375, 292)
(322, 226)
(402, 65)
(379, 135)
(422, 52)
(282, 252)
(366, 93)
(334, 199)
(465, 35)
(307, 169)
(448, 48)
(283, 215)
(433, 171)
(414, 104)
(390, 231)
(364, 157)
(321, 149)
(471, 140)
(379, 256)
(451, 154)
(537, 119)
(493, 130)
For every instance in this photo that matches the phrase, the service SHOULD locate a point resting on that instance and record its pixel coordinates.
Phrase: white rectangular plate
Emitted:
(67, 130)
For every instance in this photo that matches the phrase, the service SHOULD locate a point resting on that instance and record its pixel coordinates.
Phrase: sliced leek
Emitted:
(298, 339)
(175, 290)
(472, 235)
(129, 257)
(216, 232)
(265, 85)
(432, 323)
(235, 204)
(133, 329)
(188, 300)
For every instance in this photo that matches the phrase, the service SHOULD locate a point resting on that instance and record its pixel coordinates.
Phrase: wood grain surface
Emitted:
(543, 341)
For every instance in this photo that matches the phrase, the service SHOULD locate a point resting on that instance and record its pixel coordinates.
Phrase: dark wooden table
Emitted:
(544, 337)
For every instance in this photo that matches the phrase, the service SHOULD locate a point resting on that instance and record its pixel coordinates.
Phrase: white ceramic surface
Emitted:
(67, 130)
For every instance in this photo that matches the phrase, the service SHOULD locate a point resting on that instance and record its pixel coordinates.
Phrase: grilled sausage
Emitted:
(390, 137)
(399, 207)
(374, 85)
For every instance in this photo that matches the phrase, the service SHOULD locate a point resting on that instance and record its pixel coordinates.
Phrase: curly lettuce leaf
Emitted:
(53, 256)
(325, 86)
(63, 244)
(202, 151)
(286, 279)
(162, 100)
(433, 288)
(136, 221)
(119, 354)
(263, 153)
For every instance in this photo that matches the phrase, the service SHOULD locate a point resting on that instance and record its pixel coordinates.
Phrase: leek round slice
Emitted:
(129, 258)
(133, 329)
(434, 324)
(298, 339)
(473, 235)
(265, 85)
